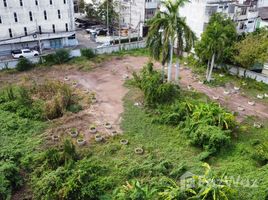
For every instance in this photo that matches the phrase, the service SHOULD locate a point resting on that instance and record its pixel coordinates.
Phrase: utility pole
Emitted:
(129, 26)
(108, 33)
(119, 18)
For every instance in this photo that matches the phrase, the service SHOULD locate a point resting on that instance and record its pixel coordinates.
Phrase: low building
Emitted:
(37, 24)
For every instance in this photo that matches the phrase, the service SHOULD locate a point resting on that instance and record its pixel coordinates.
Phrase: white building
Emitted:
(135, 13)
(198, 13)
(263, 13)
(36, 24)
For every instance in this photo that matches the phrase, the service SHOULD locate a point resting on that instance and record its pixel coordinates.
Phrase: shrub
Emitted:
(61, 56)
(260, 153)
(24, 64)
(210, 138)
(155, 90)
(9, 178)
(75, 108)
(88, 53)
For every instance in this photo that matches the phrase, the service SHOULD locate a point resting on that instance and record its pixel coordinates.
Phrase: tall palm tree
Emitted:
(167, 28)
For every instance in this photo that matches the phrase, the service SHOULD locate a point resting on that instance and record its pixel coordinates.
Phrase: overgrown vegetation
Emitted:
(24, 64)
(59, 57)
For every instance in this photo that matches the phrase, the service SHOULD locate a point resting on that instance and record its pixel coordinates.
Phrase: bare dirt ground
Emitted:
(106, 82)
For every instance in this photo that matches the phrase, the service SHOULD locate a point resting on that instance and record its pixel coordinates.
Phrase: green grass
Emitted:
(165, 144)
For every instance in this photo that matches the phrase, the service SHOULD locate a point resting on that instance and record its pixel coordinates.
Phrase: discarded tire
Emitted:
(236, 88)
(240, 108)
(139, 151)
(251, 103)
(257, 125)
(260, 96)
(108, 125)
(216, 97)
(66, 78)
(124, 142)
(226, 92)
(98, 138)
(74, 133)
(55, 138)
(93, 100)
(81, 142)
(92, 130)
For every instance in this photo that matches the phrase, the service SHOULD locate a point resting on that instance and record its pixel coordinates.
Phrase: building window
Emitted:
(64, 1)
(10, 32)
(40, 29)
(66, 27)
(15, 17)
(25, 31)
(59, 16)
(21, 3)
(50, 1)
(53, 27)
(36, 2)
(5, 3)
(45, 15)
(0, 20)
(31, 16)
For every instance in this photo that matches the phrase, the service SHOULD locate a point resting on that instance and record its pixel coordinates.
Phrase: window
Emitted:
(50, 1)
(64, 1)
(36, 2)
(25, 31)
(59, 16)
(53, 27)
(66, 27)
(15, 17)
(21, 3)
(45, 15)
(40, 29)
(10, 32)
(5, 3)
(0, 20)
(31, 16)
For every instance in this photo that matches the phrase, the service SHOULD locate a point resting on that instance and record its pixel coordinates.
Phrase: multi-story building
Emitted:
(40, 24)
(263, 14)
(135, 13)
(243, 12)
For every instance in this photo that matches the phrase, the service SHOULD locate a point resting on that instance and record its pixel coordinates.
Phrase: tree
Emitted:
(253, 49)
(81, 5)
(217, 41)
(167, 28)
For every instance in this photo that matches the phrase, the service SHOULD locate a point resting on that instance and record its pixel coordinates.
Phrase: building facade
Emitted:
(243, 12)
(37, 24)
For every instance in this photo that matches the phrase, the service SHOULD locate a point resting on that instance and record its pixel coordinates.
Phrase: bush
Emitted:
(9, 179)
(260, 153)
(61, 56)
(74, 108)
(210, 138)
(155, 90)
(88, 53)
(24, 64)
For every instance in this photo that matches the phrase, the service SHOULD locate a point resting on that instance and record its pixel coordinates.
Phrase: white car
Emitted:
(107, 44)
(24, 53)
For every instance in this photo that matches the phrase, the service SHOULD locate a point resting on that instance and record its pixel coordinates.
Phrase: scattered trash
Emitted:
(226, 92)
(252, 103)
(260, 96)
(139, 151)
(221, 75)
(240, 108)
(124, 142)
(81, 142)
(257, 125)
(98, 138)
(236, 88)
(215, 97)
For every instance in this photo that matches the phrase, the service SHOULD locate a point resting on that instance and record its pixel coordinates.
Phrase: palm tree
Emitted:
(167, 28)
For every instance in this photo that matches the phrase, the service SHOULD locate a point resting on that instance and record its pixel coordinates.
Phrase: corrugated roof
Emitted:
(263, 13)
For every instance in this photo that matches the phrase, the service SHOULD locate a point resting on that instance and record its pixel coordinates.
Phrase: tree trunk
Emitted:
(211, 68)
(177, 71)
(208, 67)
(163, 72)
(170, 61)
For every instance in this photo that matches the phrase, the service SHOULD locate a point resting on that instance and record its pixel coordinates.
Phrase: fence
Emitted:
(76, 53)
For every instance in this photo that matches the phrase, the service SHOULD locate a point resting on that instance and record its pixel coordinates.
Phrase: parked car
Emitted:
(24, 53)
(106, 44)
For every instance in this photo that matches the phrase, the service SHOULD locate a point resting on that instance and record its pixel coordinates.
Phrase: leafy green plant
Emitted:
(260, 153)
(88, 53)
(24, 64)
(155, 90)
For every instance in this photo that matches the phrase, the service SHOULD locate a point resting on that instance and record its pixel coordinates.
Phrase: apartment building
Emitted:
(38, 24)
(243, 12)
(263, 14)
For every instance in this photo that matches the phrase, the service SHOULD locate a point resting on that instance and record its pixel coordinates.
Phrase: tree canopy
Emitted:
(253, 49)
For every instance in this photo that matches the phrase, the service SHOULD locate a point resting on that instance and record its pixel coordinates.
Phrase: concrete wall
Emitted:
(76, 53)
